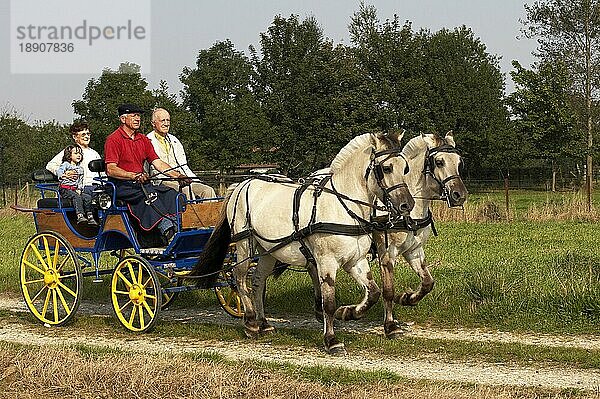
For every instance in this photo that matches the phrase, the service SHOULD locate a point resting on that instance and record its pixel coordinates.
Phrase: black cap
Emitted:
(129, 109)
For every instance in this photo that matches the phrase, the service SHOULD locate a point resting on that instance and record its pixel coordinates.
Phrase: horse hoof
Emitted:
(345, 313)
(334, 347)
(395, 329)
(267, 330)
(405, 300)
(251, 332)
(337, 349)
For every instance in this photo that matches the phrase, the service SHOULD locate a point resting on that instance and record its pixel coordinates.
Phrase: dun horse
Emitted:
(434, 166)
(325, 224)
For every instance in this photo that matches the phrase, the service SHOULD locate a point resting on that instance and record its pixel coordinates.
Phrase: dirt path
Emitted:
(428, 368)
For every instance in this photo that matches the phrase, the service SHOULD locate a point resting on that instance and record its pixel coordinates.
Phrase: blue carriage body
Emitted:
(116, 231)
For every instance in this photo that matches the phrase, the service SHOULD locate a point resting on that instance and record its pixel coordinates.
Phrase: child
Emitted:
(70, 176)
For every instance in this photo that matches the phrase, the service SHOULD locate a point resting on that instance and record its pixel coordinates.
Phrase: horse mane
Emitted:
(416, 144)
(346, 153)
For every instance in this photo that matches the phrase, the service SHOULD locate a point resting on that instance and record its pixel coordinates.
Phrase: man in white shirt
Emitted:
(80, 132)
(170, 150)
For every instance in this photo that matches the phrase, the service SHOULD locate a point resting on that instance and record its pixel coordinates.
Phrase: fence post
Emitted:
(506, 198)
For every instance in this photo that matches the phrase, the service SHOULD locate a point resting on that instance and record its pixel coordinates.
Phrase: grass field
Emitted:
(539, 276)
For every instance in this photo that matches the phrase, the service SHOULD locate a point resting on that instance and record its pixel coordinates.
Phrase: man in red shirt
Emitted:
(125, 152)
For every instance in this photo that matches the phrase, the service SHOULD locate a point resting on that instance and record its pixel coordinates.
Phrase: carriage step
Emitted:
(152, 251)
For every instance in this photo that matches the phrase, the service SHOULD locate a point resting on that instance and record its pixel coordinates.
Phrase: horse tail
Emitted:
(210, 262)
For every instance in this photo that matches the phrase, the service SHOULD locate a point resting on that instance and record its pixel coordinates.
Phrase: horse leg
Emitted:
(314, 276)
(327, 272)
(416, 260)
(259, 281)
(361, 272)
(240, 272)
(391, 327)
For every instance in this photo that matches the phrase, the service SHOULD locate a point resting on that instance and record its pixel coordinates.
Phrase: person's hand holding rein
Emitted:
(184, 180)
(141, 177)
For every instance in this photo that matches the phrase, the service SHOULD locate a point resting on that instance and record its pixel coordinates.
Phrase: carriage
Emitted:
(146, 276)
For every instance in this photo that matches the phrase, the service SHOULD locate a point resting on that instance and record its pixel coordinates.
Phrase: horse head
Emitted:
(444, 164)
(389, 168)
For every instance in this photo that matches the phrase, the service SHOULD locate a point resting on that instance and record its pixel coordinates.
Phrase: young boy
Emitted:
(72, 187)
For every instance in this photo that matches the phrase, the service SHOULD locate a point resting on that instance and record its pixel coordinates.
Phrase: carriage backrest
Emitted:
(97, 165)
(43, 176)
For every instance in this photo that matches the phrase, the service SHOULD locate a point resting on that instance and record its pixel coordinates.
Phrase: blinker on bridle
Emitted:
(377, 167)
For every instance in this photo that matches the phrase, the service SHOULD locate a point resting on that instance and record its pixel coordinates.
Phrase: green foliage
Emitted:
(466, 93)
(232, 128)
(25, 148)
(102, 96)
(431, 82)
(545, 118)
(301, 84)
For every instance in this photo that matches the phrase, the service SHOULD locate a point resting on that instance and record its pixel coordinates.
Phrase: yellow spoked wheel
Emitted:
(51, 278)
(228, 296)
(136, 294)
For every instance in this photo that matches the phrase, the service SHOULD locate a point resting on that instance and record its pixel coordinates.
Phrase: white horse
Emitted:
(434, 166)
(311, 224)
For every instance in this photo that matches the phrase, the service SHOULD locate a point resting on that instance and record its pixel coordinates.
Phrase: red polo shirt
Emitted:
(128, 153)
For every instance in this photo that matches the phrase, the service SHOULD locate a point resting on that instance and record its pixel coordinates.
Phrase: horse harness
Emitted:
(429, 167)
(319, 184)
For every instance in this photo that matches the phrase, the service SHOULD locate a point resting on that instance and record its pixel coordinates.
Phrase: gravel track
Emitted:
(431, 367)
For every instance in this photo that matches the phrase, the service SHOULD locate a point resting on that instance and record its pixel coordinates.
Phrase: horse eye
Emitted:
(387, 169)
(439, 163)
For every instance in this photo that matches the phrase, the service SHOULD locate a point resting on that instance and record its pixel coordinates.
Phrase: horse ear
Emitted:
(450, 138)
(401, 135)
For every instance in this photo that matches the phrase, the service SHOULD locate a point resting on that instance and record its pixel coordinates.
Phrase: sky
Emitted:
(178, 29)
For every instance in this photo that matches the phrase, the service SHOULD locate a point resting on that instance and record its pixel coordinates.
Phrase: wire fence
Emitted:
(24, 193)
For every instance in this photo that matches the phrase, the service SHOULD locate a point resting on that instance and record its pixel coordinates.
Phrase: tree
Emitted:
(302, 84)
(102, 96)
(26, 148)
(544, 115)
(395, 91)
(568, 31)
(217, 93)
(431, 82)
(466, 93)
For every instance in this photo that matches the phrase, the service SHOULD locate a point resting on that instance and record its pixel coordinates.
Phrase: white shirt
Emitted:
(175, 157)
(88, 155)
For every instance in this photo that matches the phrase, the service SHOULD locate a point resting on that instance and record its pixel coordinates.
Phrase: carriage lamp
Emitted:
(102, 200)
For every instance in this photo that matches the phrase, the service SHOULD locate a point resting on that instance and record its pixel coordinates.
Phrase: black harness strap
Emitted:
(296, 221)
(319, 227)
